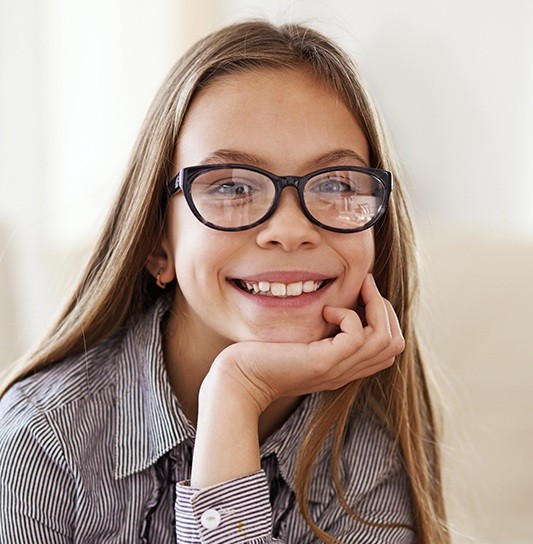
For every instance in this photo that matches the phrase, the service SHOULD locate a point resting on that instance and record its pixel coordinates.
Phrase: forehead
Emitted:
(281, 118)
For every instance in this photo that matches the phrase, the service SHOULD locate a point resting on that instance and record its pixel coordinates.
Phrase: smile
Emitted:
(280, 290)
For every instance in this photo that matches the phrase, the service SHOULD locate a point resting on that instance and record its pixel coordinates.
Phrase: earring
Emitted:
(158, 282)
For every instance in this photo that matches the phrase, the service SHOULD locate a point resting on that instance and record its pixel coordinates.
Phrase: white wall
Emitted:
(76, 79)
(455, 81)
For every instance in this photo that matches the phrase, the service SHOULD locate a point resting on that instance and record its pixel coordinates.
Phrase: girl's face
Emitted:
(289, 123)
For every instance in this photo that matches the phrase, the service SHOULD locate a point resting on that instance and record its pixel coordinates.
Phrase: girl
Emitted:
(232, 365)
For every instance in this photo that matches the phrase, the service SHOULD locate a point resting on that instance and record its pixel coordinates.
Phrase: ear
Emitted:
(160, 262)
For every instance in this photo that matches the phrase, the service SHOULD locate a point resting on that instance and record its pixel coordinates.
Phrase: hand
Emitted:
(264, 371)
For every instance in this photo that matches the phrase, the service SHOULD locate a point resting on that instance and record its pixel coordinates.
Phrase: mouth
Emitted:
(279, 289)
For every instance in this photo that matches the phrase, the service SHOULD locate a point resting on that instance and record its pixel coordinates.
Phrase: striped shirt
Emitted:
(96, 449)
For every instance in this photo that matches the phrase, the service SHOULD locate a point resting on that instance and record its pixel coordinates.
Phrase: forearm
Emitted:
(228, 496)
(227, 439)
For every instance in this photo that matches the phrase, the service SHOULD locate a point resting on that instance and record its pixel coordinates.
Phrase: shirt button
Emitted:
(210, 519)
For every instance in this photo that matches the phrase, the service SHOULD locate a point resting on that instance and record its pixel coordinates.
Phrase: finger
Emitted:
(349, 370)
(374, 369)
(398, 340)
(357, 351)
(351, 337)
(388, 342)
(378, 351)
(394, 342)
(358, 372)
(347, 320)
(376, 315)
(378, 332)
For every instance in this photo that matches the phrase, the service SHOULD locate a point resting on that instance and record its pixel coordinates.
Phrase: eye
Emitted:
(333, 185)
(231, 189)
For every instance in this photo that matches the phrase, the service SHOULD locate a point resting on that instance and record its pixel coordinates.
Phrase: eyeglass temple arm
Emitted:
(174, 185)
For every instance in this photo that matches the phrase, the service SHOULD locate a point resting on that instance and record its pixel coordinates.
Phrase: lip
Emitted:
(289, 276)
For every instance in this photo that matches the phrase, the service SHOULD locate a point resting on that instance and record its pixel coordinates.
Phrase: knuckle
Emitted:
(334, 385)
(379, 367)
(388, 362)
(330, 386)
(384, 341)
(398, 345)
(318, 368)
(358, 341)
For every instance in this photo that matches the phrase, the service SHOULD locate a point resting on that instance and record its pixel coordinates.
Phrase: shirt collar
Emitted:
(285, 445)
(149, 420)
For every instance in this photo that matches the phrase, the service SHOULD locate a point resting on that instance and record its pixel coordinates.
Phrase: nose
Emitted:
(288, 227)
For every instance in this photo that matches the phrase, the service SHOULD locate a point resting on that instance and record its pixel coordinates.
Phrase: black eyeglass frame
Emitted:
(186, 176)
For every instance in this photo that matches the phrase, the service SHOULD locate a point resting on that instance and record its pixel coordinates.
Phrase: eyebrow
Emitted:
(232, 156)
(339, 155)
(331, 158)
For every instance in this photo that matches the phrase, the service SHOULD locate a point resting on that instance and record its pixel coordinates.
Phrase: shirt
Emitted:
(95, 449)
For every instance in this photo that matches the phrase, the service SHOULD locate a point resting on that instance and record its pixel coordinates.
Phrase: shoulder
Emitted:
(371, 456)
(36, 477)
(71, 380)
(27, 408)
(41, 411)
(76, 397)
(368, 438)
(44, 420)
(86, 375)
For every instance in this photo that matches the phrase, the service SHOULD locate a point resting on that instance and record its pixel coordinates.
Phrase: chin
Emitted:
(304, 335)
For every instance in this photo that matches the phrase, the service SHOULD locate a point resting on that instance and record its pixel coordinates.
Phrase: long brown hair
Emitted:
(116, 287)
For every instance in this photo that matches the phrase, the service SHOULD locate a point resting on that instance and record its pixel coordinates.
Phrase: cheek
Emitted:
(359, 253)
(186, 234)
(186, 251)
(369, 254)
(359, 261)
(199, 253)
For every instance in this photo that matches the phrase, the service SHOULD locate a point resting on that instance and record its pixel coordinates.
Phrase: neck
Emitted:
(188, 358)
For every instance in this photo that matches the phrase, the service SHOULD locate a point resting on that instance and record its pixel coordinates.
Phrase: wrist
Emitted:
(226, 380)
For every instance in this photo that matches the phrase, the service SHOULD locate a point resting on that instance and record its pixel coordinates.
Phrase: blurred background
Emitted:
(454, 80)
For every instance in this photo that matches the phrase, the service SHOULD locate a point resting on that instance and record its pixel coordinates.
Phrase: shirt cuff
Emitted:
(235, 511)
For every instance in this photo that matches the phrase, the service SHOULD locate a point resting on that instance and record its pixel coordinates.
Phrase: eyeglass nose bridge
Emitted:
(282, 182)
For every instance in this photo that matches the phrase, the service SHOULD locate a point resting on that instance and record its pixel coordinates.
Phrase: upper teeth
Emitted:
(278, 289)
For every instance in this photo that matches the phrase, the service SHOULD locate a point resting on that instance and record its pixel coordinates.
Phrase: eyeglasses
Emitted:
(235, 197)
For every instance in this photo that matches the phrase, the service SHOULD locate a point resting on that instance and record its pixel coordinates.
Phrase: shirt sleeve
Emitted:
(35, 484)
(236, 511)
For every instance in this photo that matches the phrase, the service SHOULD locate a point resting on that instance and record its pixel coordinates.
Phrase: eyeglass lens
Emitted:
(235, 197)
